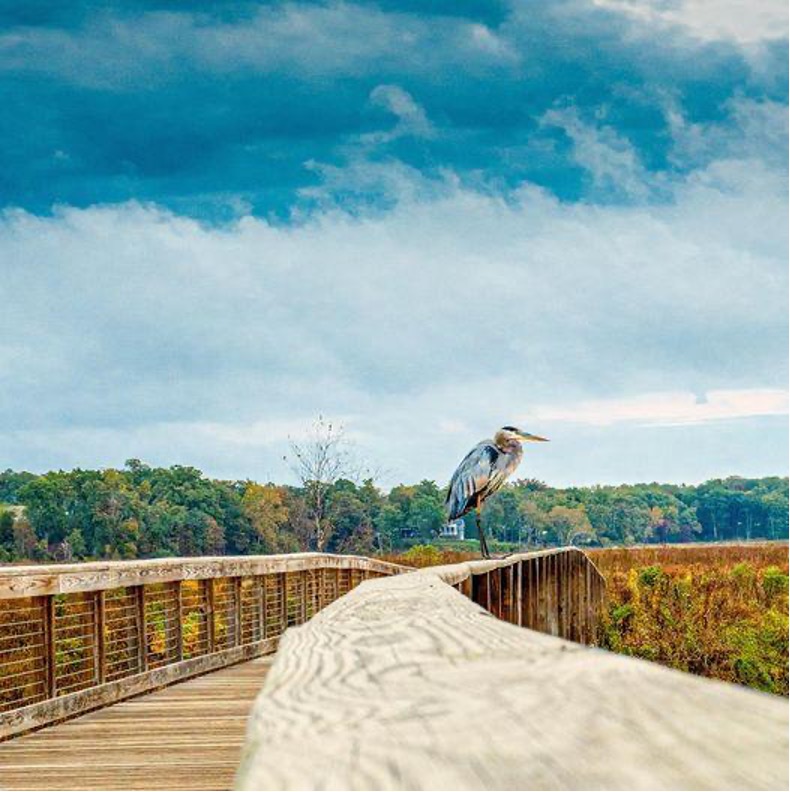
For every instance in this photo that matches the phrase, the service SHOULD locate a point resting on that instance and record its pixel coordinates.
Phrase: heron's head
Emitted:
(511, 434)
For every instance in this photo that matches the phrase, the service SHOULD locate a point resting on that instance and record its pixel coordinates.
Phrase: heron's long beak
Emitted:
(533, 438)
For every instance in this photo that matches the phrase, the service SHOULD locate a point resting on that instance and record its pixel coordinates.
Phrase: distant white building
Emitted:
(453, 530)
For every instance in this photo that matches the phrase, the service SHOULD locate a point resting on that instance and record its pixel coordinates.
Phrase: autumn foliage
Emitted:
(720, 611)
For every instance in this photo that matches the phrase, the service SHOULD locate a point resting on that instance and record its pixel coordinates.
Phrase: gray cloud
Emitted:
(337, 38)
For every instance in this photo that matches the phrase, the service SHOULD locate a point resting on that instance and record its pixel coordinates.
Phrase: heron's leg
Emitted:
(480, 533)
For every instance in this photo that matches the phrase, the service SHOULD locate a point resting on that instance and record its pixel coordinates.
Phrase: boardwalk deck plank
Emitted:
(201, 722)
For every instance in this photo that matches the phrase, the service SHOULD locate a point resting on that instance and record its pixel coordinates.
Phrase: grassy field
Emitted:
(716, 610)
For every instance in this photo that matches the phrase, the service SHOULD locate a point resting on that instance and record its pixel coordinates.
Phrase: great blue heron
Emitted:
(482, 472)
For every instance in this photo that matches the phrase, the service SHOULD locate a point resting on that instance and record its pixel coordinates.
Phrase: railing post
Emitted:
(562, 592)
(544, 603)
(559, 587)
(558, 595)
(481, 590)
(319, 581)
(571, 572)
(466, 587)
(179, 621)
(142, 629)
(261, 607)
(283, 583)
(588, 614)
(100, 647)
(571, 596)
(527, 600)
(519, 620)
(237, 610)
(584, 572)
(506, 592)
(208, 591)
(48, 615)
(572, 604)
(578, 611)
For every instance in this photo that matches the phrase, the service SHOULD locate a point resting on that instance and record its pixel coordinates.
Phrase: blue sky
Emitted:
(422, 219)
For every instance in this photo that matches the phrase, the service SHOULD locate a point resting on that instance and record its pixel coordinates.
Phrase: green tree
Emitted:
(7, 535)
(11, 483)
(46, 501)
(569, 524)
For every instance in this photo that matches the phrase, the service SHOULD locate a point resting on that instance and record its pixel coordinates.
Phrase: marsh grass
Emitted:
(720, 611)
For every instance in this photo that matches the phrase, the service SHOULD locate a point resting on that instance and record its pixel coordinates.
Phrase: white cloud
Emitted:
(745, 21)
(671, 408)
(412, 120)
(752, 129)
(609, 158)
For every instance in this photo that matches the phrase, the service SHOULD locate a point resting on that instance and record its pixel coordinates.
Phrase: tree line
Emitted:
(142, 512)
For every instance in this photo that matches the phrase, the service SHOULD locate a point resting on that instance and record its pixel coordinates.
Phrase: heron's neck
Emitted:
(508, 445)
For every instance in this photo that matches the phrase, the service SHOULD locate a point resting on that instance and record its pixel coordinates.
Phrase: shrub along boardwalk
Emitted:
(188, 736)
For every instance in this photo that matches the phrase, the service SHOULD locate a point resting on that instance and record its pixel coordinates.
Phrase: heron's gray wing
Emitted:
(478, 474)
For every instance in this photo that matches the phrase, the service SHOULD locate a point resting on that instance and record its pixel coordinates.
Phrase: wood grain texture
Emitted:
(406, 684)
(188, 736)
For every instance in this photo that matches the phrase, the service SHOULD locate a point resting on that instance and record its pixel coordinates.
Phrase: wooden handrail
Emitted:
(80, 636)
(44, 579)
(557, 591)
(404, 684)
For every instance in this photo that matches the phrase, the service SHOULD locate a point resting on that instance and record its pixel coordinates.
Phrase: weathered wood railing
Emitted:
(402, 684)
(559, 591)
(76, 637)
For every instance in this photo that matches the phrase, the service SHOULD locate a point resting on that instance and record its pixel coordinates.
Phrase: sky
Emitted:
(423, 220)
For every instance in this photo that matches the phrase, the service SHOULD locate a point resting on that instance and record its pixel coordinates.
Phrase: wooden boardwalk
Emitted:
(187, 736)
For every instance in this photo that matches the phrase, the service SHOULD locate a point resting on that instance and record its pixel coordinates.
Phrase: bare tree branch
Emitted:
(322, 459)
